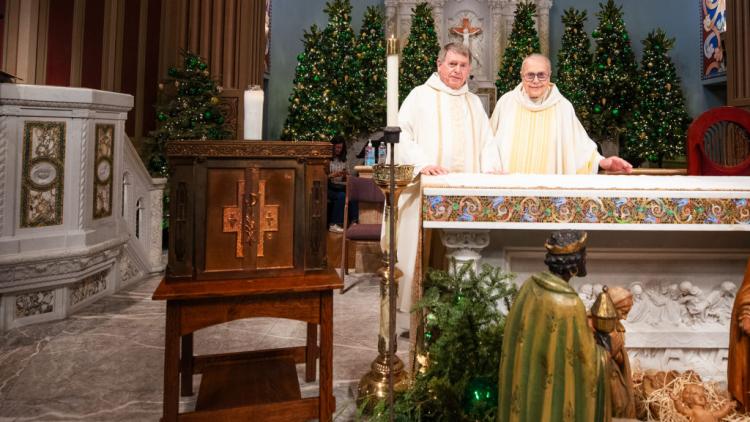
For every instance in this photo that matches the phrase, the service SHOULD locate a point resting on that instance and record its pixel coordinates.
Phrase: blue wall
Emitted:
(680, 19)
(289, 20)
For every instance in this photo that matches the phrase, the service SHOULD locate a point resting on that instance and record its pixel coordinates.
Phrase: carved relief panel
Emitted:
(43, 168)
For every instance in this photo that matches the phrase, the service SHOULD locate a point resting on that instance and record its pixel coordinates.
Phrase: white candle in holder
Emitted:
(392, 81)
(253, 118)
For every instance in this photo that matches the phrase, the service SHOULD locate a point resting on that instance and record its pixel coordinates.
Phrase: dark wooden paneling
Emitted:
(59, 42)
(738, 48)
(129, 70)
(93, 41)
(152, 77)
(2, 32)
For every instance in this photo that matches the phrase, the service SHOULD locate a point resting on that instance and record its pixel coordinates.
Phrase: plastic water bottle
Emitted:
(382, 153)
(369, 154)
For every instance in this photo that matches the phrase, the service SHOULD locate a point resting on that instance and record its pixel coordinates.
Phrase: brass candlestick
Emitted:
(374, 385)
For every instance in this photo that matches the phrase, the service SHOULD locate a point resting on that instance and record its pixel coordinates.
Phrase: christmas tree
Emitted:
(340, 65)
(325, 69)
(369, 107)
(191, 113)
(308, 117)
(574, 64)
(419, 59)
(463, 338)
(660, 120)
(613, 74)
(523, 41)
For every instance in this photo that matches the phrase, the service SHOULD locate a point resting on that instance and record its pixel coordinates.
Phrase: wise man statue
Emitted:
(552, 368)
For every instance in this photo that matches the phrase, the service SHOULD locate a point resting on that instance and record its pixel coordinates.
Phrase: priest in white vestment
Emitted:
(444, 129)
(537, 131)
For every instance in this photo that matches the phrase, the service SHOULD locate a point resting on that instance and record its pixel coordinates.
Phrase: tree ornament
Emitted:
(208, 115)
(615, 112)
(162, 117)
(173, 72)
(214, 100)
(597, 109)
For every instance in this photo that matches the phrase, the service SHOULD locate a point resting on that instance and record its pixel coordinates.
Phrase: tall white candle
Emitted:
(253, 118)
(392, 82)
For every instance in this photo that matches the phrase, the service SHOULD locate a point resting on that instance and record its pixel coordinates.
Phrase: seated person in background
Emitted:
(337, 175)
(537, 131)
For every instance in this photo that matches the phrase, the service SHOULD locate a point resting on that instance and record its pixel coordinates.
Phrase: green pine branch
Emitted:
(464, 327)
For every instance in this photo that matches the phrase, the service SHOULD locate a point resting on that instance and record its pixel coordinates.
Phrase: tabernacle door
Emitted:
(250, 219)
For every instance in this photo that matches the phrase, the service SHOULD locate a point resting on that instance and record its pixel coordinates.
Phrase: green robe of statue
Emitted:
(551, 367)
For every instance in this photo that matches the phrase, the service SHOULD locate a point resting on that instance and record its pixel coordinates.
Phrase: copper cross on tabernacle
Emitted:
(466, 28)
(269, 217)
(232, 220)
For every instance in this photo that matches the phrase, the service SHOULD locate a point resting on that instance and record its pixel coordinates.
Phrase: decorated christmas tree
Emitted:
(308, 117)
(463, 338)
(187, 109)
(659, 123)
(337, 46)
(419, 58)
(523, 41)
(319, 107)
(613, 74)
(574, 64)
(368, 108)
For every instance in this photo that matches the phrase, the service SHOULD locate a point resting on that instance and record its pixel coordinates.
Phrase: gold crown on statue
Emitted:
(567, 249)
(604, 313)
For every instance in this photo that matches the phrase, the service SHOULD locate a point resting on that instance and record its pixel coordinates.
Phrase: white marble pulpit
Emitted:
(80, 217)
(679, 243)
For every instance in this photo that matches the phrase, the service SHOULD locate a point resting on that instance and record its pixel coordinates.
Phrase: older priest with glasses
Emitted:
(537, 131)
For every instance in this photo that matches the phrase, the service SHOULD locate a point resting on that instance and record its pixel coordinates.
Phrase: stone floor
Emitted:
(105, 363)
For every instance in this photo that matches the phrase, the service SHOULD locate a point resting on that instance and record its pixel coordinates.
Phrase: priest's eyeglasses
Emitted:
(529, 77)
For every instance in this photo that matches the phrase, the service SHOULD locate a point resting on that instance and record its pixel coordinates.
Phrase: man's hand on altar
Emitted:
(615, 163)
(433, 170)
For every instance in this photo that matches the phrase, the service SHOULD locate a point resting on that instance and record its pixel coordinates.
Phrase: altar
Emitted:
(679, 243)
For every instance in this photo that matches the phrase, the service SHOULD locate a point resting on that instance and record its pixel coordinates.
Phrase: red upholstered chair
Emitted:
(719, 143)
(362, 190)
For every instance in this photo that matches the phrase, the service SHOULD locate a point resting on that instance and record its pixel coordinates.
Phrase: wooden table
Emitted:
(253, 385)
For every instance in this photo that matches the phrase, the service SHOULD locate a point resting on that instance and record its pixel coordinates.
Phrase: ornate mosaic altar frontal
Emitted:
(593, 202)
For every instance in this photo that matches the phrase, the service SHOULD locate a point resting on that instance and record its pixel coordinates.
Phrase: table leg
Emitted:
(311, 352)
(186, 365)
(171, 362)
(326, 356)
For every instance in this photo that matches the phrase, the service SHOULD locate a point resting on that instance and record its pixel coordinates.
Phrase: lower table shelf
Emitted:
(235, 384)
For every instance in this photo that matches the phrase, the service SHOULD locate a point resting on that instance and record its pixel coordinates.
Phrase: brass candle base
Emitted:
(373, 387)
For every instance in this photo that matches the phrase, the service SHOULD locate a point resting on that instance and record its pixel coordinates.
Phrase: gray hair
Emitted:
(537, 56)
(455, 47)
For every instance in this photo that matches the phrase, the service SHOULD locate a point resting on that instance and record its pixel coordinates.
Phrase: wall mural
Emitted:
(713, 28)
(43, 167)
(103, 165)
